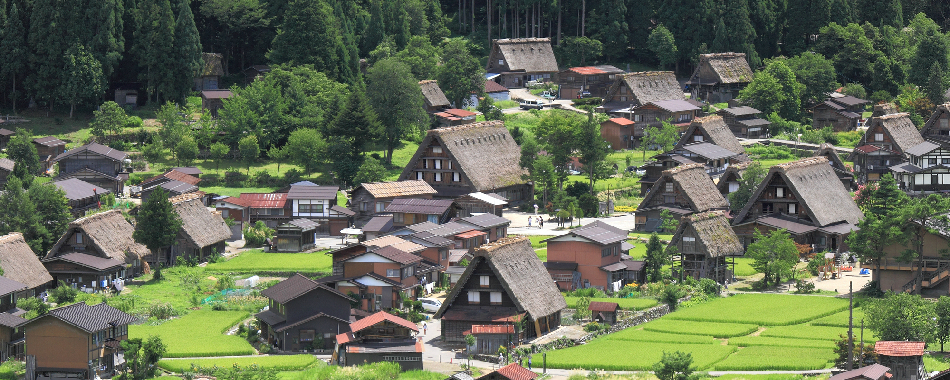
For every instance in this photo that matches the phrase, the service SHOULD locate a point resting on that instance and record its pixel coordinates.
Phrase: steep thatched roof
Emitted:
(828, 151)
(19, 263)
(900, 128)
(815, 184)
(722, 68)
(7, 164)
(650, 86)
(715, 131)
(199, 225)
(485, 152)
(521, 274)
(932, 127)
(530, 55)
(733, 173)
(433, 94)
(694, 184)
(108, 233)
(712, 231)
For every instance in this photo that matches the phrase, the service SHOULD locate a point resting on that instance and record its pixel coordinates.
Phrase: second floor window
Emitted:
(392, 272)
(878, 137)
(495, 298)
(317, 208)
(438, 176)
(398, 217)
(456, 177)
(689, 244)
(668, 187)
(483, 281)
(380, 207)
(474, 297)
(780, 192)
(408, 271)
(438, 164)
(419, 176)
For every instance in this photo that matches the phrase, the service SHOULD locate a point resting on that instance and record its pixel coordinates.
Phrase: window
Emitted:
(307, 335)
(878, 137)
(456, 177)
(689, 244)
(483, 281)
(780, 192)
(449, 164)
(433, 219)
(623, 90)
(623, 98)
(437, 149)
(793, 208)
(443, 254)
(79, 238)
(438, 164)
(380, 207)
(474, 297)
(408, 271)
(637, 117)
(419, 176)
(392, 272)
(766, 208)
(669, 199)
(495, 298)
(398, 217)
(669, 187)
(438, 176)
(931, 161)
(698, 138)
(311, 208)
(945, 160)
(605, 252)
(733, 187)
(425, 164)
(501, 61)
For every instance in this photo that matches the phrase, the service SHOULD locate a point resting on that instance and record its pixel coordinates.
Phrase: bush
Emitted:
(672, 294)
(770, 152)
(595, 327)
(709, 286)
(225, 281)
(588, 292)
(293, 175)
(63, 294)
(234, 179)
(161, 311)
(804, 287)
(157, 274)
(873, 289)
(587, 101)
(256, 235)
(33, 305)
(263, 178)
(815, 264)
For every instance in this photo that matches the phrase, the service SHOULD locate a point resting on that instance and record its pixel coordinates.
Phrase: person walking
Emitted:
(425, 328)
(529, 221)
(540, 223)
(529, 362)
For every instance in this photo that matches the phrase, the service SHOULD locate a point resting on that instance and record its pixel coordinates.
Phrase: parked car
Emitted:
(636, 170)
(431, 305)
(528, 104)
(547, 95)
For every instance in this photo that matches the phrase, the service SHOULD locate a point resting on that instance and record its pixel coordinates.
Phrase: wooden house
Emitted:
(20, 264)
(872, 372)
(513, 371)
(719, 77)
(711, 129)
(340, 255)
(593, 255)
(173, 182)
(203, 232)
(82, 196)
(504, 284)
(297, 235)
(9, 289)
(481, 203)
(489, 338)
(6, 168)
(380, 275)
(381, 337)
(621, 133)
(235, 209)
(452, 117)
(604, 312)
(588, 81)
(11, 337)
(5, 135)
(805, 198)
(193, 171)
(377, 226)
(213, 100)
(884, 144)
(470, 158)
(513, 62)
(730, 179)
(937, 127)
(212, 69)
(745, 122)
(48, 148)
(494, 226)
(368, 199)
(303, 314)
(94, 163)
(96, 250)
(78, 341)
(406, 211)
(306, 199)
(434, 97)
(843, 171)
(841, 114)
(900, 276)
(654, 113)
(905, 359)
(492, 90)
(633, 90)
(704, 241)
(683, 191)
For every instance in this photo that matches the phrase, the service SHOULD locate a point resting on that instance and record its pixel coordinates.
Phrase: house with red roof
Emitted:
(303, 314)
(488, 338)
(621, 133)
(578, 82)
(453, 116)
(905, 359)
(513, 371)
(381, 337)
(604, 312)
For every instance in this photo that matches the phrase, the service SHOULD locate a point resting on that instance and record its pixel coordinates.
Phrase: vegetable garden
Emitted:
(747, 332)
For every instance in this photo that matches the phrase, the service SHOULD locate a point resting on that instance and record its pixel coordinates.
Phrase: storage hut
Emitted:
(297, 235)
(604, 312)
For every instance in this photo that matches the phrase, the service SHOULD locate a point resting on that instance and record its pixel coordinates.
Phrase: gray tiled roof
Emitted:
(91, 318)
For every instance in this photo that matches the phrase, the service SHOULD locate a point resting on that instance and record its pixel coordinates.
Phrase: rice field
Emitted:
(258, 262)
(278, 362)
(198, 334)
(841, 319)
(746, 332)
(624, 303)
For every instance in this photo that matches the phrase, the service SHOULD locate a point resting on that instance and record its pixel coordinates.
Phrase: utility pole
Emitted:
(851, 326)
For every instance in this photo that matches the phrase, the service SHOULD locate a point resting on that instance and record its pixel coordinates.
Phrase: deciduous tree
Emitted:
(109, 119)
(395, 96)
(186, 151)
(82, 77)
(370, 171)
(753, 175)
(219, 151)
(52, 209)
(674, 366)
(19, 215)
(278, 154)
(918, 218)
(900, 317)
(460, 75)
(250, 151)
(663, 45)
(942, 330)
(157, 224)
(305, 148)
(773, 255)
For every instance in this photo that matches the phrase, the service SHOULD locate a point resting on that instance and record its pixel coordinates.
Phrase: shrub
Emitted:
(63, 294)
(804, 287)
(872, 289)
(234, 179)
(595, 327)
(709, 287)
(672, 294)
(292, 175)
(162, 310)
(815, 264)
(770, 152)
(256, 235)
(157, 274)
(587, 101)
(588, 292)
(263, 178)
(33, 305)
(225, 281)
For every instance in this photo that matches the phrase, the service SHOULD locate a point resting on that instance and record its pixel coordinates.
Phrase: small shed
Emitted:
(604, 312)
(481, 203)
(378, 226)
(5, 135)
(213, 100)
(296, 235)
(212, 69)
(80, 194)
(871, 372)
(905, 359)
(488, 338)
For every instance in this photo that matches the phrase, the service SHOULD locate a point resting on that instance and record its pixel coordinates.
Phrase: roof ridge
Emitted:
(493, 246)
(893, 115)
(701, 216)
(683, 168)
(804, 162)
(488, 123)
(11, 237)
(101, 215)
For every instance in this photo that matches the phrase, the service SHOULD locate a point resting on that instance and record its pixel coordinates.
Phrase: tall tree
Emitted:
(154, 46)
(157, 224)
(250, 150)
(219, 151)
(663, 45)
(774, 255)
(816, 73)
(47, 44)
(186, 151)
(23, 152)
(942, 330)
(900, 317)
(82, 78)
(753, 175)
(805, 17)
(278, 154)
(107, 43)
(306, 148)
(460, 75)
(655, 259)
(614, 31)
(882, 12)
(764, 93)
(370, 171)
(395, 96)
(13, 44)
(741, 31)
(920, 217)
(19, 215)
(187, 58)
(52, 211)
(109, 119)
(936, 84)
(309, 35)
(356, 123)
(789, 106)
(593, 150)
(661, 138)
(769, 19)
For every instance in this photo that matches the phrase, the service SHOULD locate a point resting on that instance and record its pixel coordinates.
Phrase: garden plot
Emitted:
(713, 329)
(258, 262)
(624, 303)
(633, 334)
(198, 334)
(618, 355)
(771, 358)
(763, 309)
(280, 362)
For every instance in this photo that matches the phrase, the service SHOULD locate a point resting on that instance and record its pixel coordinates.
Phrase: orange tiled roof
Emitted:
(380, 317)
(892, 348)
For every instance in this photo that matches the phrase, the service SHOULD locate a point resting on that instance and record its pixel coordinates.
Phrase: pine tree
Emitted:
(154, 47)
(47, 44)
(52, 209)
(108, 42)
(768, 18)
(615, 30)
(936, 84)
(19, 215)
(375, 30)
(13, 44)
(741, 33)
(356, 123)
(309, 35)
(157, 224)
(655, 259)
(188, 51)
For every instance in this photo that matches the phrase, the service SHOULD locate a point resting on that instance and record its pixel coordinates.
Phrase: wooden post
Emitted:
(537, 327)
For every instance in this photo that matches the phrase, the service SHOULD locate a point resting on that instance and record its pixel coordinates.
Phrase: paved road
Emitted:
(519, 223)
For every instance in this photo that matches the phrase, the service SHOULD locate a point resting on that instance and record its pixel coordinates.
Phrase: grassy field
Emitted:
(257, 261)
(624, 303)
(743, 267)
(279, 362)
(169, 290)
(198, 334)
(840, 319)
(542, 254)
(765, 331)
